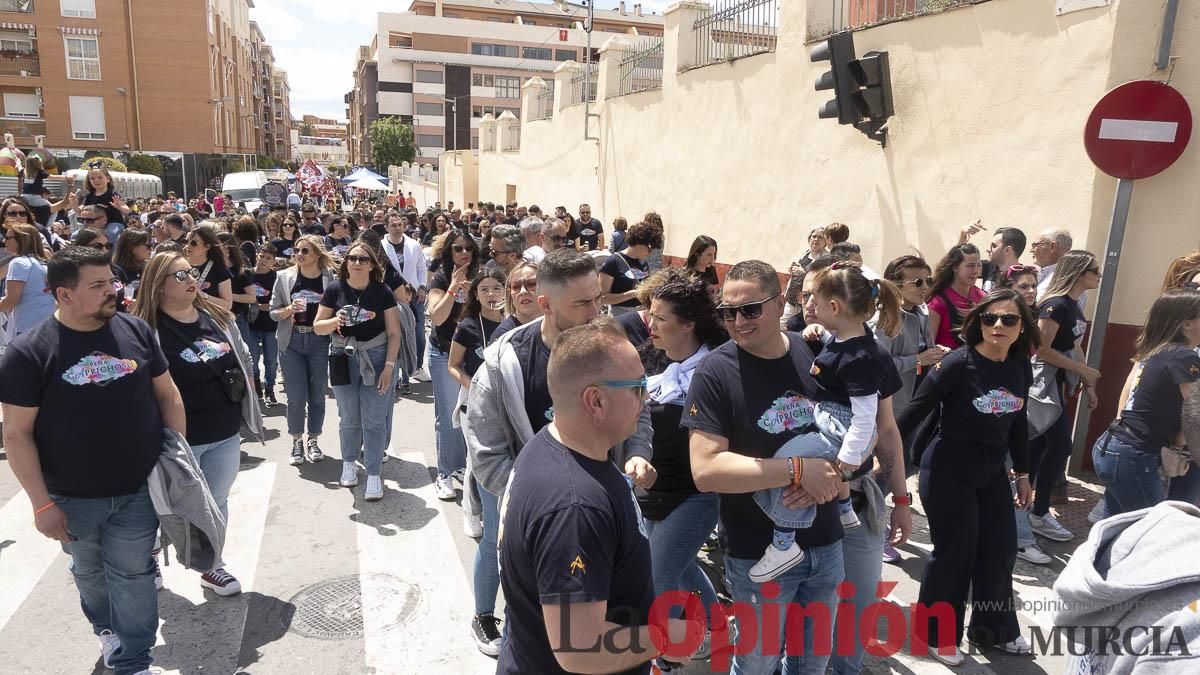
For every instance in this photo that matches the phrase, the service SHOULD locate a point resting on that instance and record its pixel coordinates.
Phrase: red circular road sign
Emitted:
(1138, 129)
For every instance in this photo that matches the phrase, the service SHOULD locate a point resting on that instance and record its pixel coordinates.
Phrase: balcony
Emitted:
(23, 6)
(23, 131)
(20, 63)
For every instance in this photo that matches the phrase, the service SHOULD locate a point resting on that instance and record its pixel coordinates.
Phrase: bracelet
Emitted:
(389, 363)
(797, 470)
(44, 508)
(905, 500)
(1019, 476)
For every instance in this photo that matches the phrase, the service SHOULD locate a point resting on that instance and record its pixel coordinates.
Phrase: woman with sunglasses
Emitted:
(339, 239)
(1166, 367)
(1058, 365)
(1023, 280)
(447, 297)
(26, 293)
(522, 304)
(954, 293)
(210, 364)
(964, 482)
(359, 313)
(289, 233)
(303, 354)
(203, 250)
(129, 259)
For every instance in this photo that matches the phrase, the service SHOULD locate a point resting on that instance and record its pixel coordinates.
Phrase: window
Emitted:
(87, 118)
(83, 58)
(494, 19)
(429, 76)
(451, 15)
(430, 109)
(16, 41)
(22, 105)
(483, 49)
(482, 80)
(429, 141)
(528, 22)
(84, 9)
(539, 53)
(398, 41)
(508, 87)
(565, 54)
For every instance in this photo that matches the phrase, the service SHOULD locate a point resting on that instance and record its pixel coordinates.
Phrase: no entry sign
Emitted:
(1138, 129)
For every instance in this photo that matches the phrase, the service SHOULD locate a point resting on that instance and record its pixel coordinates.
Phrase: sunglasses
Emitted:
(358, 259)
(919, 283)
(184, 276)
(1093, 270)
(1020, 269)
(87, 220)
(1194, 285)
(101, 247)
(529, 285)
(303, 251)
(1008, 320)
(193, 242)
(750, 310)
(464, 249)
(21, 213)
(637, 386)
(557, 238)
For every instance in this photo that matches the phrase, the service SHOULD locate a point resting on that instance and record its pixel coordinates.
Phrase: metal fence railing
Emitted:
(855, 14)
(543, 108)
(584, 84)
(642, 70)
(733, 29)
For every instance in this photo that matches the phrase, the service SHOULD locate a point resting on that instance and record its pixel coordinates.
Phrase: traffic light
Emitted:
(862, 87)
(838, 50)
(873, 76)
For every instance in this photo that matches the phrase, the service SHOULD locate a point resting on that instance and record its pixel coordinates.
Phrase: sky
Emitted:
(316, 41)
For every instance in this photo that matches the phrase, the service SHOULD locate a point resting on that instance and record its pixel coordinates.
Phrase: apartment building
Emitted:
(320, 139)
(174, 79)
(279, 115)
(444, 64)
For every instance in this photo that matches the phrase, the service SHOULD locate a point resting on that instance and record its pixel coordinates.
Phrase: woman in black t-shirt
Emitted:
(203, 250)
(360, 314)
(129, 258)
(240, 281)
(1166, 367)
(289, 234)
(1062, 326)
(980, 389)
(622, 272)
(702, 263)
(480, 318)
(444, 304)
(339, 239)
(522, 304)
(205, 355)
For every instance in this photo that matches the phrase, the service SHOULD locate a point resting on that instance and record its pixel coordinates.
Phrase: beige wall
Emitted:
(990, 104)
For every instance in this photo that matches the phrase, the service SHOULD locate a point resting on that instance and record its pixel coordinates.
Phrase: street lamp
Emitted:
(454, 109)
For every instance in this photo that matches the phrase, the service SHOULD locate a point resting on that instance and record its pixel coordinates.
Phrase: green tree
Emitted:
(391, 143)
(306, 129)
(293, 166)
(148, 164)
(110, 163)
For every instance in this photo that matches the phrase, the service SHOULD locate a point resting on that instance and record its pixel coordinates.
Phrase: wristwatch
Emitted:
(906, 500)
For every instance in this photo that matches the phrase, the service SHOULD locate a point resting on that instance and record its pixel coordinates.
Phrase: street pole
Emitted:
(1108, 284)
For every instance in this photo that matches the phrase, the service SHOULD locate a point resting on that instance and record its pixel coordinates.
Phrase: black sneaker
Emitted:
(269, 395)
(297, 451)
(158, 581)
(486, 631)
(314, 452)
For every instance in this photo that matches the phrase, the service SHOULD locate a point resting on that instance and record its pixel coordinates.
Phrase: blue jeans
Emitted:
(812, 582)
(674, 542)
(451, 446)
(263, 343)
(1131, 476)
(487, 565)
(362, 413)
(306, 372)
(862, 557)
(220, 461)
(111, 563)
(418, 310)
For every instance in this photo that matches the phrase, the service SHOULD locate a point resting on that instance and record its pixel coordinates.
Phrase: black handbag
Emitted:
(233, 382)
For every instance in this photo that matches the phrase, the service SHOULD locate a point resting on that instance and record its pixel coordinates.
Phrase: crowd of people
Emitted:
(596, 454)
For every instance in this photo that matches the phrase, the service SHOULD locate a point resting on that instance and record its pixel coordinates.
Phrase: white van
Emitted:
(244, 187)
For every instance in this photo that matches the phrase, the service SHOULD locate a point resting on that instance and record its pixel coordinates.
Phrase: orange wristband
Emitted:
(43, 508)
(797, 470)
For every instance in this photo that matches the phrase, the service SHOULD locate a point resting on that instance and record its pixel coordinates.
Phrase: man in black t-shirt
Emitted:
(575, 561)
(83, 468)
(590, 230)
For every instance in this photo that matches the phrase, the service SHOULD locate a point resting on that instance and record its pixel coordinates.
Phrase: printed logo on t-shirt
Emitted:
(587, 232)
(577, 566)
(1080, 328)
(99, 368)
(550, 413)
(356, 315)
(999, 402)
(635, 274)
(787, 413)
(309, 297)
(258, 291)
(287, 252)
(479, 352)
(208, 351)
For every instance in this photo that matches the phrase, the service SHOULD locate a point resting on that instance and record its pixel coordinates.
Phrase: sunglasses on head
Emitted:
(637, 386)
(750, 310)
(1020, 269)
(1194, 285)
(184, 276)
(921, 282)
(1008, 320)
(358, 259)
(529, 285)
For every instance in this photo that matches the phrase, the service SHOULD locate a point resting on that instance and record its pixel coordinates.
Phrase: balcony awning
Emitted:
(72, 30)
(16, 26)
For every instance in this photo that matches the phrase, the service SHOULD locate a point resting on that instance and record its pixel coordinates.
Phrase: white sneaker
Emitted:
(422, 375)
(1033, 554)
(775, 562)
(349, 475)
(954, 659)
(109, 643)
(459, 475)
(1049, 527)
(1097, 513)
(374, 488)
(472, 526)
(221, 582)
(444, 487)
(1018, 646)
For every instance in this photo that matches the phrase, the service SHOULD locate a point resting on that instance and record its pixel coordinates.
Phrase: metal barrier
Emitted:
(855, 14)
(733, 29)
(643, 69)
(584, 83)
(543, 108)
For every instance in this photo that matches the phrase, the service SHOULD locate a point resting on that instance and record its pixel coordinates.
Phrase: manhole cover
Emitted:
(334, 609)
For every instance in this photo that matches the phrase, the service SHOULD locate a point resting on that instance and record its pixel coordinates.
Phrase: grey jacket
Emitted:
(904, 349)
(281, 296)
(188, 515)
(251, 411)
(496, 425)
(1135, 569)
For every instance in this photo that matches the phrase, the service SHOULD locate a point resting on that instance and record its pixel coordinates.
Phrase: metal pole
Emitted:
(1108, 284)
(1168, 32)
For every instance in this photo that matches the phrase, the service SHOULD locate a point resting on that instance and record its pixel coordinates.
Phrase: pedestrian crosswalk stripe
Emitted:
(25, 559)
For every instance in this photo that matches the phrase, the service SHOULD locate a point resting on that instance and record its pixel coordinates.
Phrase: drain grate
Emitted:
(334, 609)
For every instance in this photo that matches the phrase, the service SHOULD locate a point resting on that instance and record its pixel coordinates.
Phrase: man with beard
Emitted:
(86, 481)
